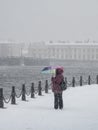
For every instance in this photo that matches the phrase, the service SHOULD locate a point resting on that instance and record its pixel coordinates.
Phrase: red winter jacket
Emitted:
(56, 83)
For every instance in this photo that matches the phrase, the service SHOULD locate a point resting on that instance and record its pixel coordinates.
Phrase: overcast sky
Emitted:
(43, 20)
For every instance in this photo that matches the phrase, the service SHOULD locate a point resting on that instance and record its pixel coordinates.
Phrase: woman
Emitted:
(56, 88)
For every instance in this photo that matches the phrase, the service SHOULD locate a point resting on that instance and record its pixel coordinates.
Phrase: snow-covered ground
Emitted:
(80, 112)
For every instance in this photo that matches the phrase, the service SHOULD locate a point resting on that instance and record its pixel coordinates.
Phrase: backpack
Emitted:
(63, 85)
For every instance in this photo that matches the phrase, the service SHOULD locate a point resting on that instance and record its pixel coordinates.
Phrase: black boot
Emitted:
(60, 101)
(56, 101)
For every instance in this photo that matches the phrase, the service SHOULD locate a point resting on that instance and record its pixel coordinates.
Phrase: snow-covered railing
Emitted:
(22, 94)
(81, 81)
(39, 89)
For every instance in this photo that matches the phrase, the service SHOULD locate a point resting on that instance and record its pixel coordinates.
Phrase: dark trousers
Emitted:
(58, 101)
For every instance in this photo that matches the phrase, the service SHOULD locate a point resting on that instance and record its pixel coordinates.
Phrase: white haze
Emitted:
(38, 20)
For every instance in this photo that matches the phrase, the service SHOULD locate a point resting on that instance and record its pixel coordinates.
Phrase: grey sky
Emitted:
(42, 20)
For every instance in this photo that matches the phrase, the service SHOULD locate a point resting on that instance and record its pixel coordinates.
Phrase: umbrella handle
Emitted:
(53, 75)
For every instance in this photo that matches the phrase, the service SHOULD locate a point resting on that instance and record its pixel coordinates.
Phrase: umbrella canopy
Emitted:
(48, 70)
(51, 69)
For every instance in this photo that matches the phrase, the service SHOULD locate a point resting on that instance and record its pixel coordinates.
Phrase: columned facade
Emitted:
(70, 51)
(60, 51)
(10, 50)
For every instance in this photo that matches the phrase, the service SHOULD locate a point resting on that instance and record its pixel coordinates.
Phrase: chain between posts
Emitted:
(5, 100)
(28, 94)
(69, 84)
(19, 95)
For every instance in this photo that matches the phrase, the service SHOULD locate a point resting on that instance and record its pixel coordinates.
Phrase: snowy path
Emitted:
(80, 112)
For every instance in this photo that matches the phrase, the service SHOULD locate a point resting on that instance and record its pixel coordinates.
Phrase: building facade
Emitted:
(64, 51)
(57, 51)
(10, 49)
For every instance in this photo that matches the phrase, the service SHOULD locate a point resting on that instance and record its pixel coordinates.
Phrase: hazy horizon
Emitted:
(46, 20)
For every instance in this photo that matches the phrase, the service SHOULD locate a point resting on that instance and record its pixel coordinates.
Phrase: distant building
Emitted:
(64, 51)
(59, 51)
(10, 49)
(38, 50)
